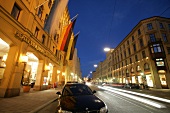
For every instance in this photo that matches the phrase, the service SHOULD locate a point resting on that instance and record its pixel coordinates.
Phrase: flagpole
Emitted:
(77, 34)
(42, 4)
(74, 17)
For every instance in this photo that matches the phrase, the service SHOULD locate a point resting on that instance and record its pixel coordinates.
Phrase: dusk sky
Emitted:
(107, 22)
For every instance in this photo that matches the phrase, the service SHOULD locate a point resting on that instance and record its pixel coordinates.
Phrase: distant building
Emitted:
(144, 54)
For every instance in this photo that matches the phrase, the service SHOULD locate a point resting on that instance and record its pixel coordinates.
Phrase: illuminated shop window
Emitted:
(132, 70)
(138, 68)
(160, 62)
(146, 66)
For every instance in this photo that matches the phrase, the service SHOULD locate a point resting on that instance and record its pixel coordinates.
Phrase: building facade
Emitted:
(144, 54)
(29, 39)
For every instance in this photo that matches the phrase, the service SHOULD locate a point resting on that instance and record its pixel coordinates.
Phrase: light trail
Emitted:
(149, 102)
(139, 94)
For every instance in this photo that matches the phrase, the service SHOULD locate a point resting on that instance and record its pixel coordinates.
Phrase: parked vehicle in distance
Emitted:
(79, 98)
(132, 86)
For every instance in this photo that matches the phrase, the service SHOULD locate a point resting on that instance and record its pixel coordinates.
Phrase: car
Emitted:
(132, 86)
(79, 98)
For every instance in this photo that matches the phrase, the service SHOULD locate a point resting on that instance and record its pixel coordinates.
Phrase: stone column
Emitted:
(39, 76)
(10, 85)
(155, 75)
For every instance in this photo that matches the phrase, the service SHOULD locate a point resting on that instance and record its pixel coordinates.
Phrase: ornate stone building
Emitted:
(144, 54)
(30, 35)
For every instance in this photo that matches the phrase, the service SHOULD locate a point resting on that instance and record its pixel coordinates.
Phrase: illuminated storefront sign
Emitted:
(29, 41)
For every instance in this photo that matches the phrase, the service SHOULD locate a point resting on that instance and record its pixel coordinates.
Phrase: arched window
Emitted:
(132, 70)
(138, 68)
(146, 66)
(127, 71)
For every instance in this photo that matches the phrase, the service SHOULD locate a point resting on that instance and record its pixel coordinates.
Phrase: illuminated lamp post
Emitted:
(106, 49)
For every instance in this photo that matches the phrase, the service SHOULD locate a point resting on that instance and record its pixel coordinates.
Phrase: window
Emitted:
(53, 48)
(55, 36)
(164, 37)
(129, 51)
(128, 42)
(160, 62)
(125, 54)
(15, 11)
(36, 32)
(46, 16)
(168, 49)
(56, 52)
(161, 25)
(136, 57)
(121, 56)
(133, 38)
(134, 47)
(141, 42)
(139, 32)
(152, 38)
(49, 3)
(143, 54)
(146, 66)
(40, 11)
(156, 48)
(169, 26)
(149, 26)
(43, 39)
(130, 60)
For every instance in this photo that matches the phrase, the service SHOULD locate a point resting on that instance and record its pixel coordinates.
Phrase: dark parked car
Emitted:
(132, 86)
(79, 98)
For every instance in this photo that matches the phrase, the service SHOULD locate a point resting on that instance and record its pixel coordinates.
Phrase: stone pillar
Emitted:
(155, 75)
(10, 85)
(39, 76)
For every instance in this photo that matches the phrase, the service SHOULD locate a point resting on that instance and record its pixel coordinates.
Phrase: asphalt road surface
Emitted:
(118, 101)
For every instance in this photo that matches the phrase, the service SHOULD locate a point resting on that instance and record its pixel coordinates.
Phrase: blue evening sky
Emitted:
(107, 22)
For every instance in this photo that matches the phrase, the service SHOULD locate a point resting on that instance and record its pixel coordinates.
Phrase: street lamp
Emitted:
(95, 65)
(106, 49)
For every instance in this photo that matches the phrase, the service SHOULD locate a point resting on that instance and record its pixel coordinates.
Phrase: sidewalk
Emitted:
(28, 102)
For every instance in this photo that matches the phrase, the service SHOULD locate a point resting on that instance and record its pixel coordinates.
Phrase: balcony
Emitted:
(156, 48)
(158, 55)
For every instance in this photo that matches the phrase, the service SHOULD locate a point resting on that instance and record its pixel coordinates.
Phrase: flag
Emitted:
(69, 47)
(64, 29)
(67, 36)
(73, 46)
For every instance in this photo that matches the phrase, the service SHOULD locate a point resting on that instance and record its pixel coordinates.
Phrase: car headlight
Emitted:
(103, 109)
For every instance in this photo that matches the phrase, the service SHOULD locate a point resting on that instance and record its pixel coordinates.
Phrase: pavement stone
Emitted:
(28, 102)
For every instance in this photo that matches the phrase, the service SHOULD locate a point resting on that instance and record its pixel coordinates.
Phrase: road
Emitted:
(118, 101)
